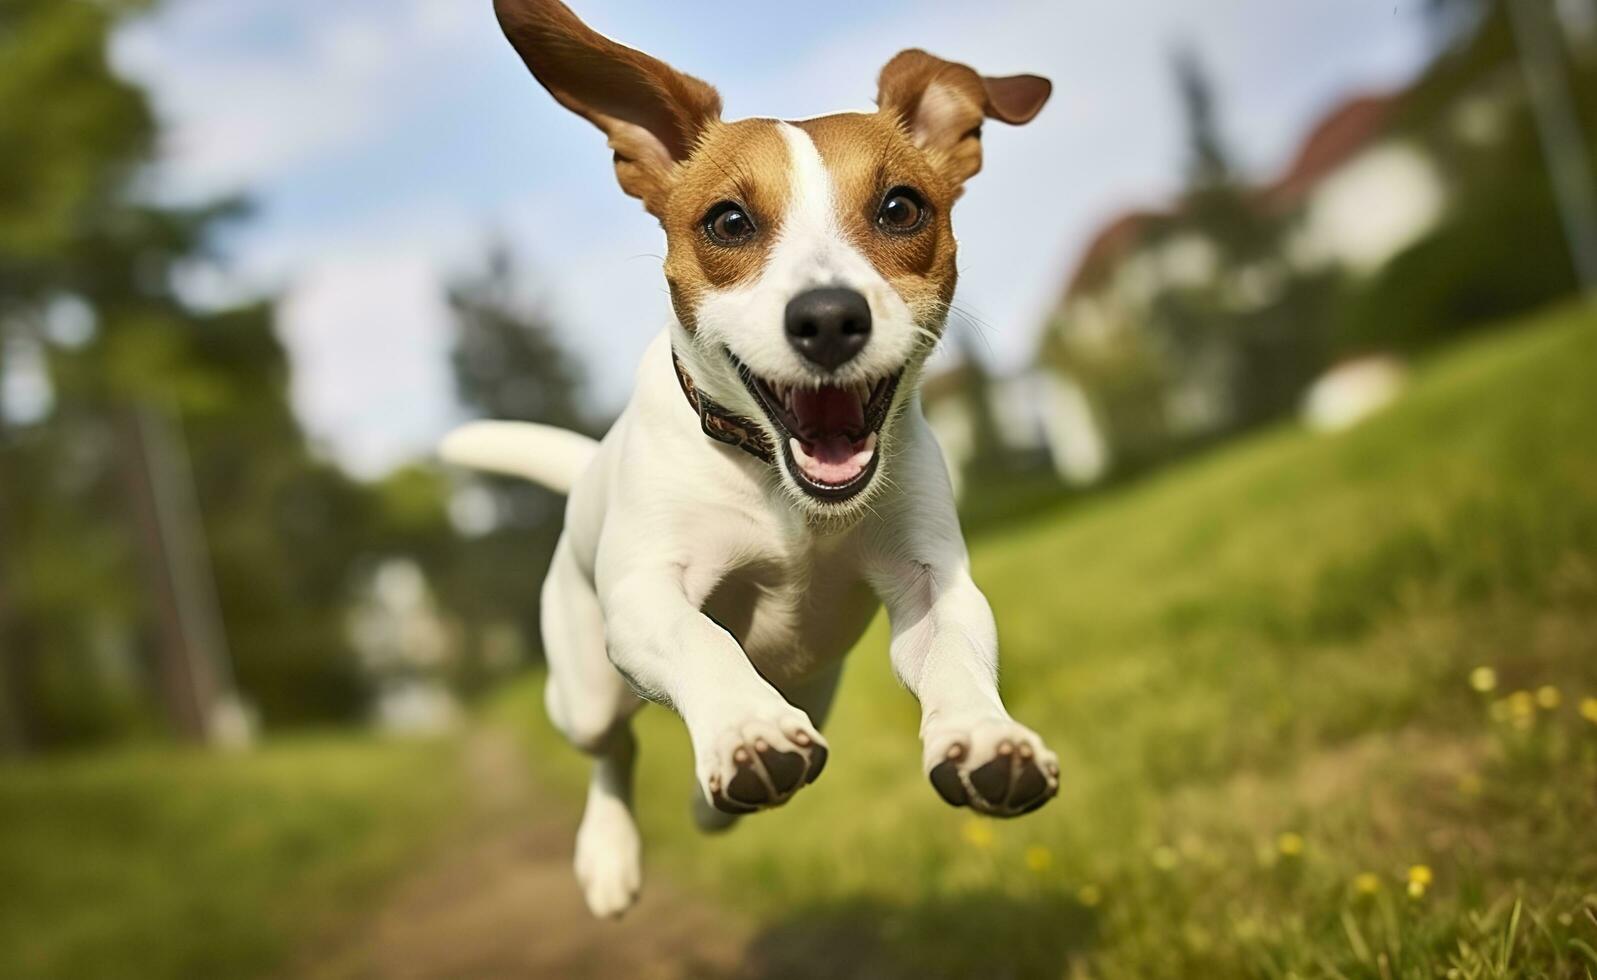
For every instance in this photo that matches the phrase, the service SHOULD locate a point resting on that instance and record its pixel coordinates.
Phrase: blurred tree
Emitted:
(1451, 22)
(59, 204)
(1208, 161)
(1500, 250)
(990, 463)
(508, 364)
(92, 326)
(1255, 330)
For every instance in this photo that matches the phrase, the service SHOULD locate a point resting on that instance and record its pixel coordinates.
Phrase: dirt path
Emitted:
(498, 900)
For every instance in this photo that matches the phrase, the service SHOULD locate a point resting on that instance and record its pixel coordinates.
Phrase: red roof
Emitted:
(1112, 242)
(1337, 138)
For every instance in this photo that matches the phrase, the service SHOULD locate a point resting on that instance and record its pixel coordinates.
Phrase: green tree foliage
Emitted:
(87, 267)
(1500, 250)
(1263, 322)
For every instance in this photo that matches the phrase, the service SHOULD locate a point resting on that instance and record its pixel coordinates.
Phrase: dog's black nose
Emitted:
(828, 326)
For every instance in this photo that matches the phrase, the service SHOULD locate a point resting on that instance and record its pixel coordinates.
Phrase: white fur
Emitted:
(691, 574)
(543, 454)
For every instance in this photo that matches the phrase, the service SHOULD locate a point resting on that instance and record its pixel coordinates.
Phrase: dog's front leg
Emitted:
(945, 645)
(752, 749)
(945, 650)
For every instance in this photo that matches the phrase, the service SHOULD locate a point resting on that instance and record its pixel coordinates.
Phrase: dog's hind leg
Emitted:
(592, 705)
(814, 696)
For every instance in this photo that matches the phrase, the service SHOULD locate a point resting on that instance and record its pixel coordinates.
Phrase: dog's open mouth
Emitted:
(829, 433)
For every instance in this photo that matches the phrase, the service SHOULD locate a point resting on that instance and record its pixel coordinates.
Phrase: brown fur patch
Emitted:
(942, 105)
(651, 113)
(745, 162)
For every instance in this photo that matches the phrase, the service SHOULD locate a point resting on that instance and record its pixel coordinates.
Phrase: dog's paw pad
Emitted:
(945, 779)
(746, 788)
(999, 768)
(761, 765)
(785, 769)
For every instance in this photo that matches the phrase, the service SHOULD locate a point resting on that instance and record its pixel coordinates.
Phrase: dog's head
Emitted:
(811, 264)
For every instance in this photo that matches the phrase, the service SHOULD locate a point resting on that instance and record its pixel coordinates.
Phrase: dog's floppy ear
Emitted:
(652, 114)
(942, 105)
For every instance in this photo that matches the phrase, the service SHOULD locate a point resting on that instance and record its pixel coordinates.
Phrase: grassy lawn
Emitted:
(1261, 672)
(169, 863)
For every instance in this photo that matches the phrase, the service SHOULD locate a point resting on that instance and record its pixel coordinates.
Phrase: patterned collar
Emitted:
(720, 424)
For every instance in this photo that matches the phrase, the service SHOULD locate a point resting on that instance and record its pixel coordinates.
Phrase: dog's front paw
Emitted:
(996, 767)
(608, 859)
(759, 762)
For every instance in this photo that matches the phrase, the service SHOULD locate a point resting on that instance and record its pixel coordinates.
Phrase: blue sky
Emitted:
(384, 142)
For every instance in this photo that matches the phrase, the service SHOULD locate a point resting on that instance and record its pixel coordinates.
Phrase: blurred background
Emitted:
(1268, 401)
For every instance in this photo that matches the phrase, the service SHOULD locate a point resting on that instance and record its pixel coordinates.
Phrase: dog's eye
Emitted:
(728, 224)
(902, 210)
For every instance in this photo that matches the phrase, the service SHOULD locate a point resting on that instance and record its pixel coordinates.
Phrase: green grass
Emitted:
(1255, 668)
(169, 863)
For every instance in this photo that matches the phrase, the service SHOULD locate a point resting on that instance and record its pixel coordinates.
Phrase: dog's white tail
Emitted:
(547, 456)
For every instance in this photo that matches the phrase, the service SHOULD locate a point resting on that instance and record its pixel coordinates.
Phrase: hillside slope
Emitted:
(1262, 671)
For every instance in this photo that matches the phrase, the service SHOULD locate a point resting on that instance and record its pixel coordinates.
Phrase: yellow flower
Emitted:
(1588, 709)
(1367, 883)
(1519, 709)
(1548, 697)
(1419, 879)
(1089, 895)
(1483, 679)
(1165, 858)
(1039, 858)
(1289, 844)
(978, 833)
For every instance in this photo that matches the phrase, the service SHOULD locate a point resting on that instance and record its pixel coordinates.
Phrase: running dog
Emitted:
(772, 479)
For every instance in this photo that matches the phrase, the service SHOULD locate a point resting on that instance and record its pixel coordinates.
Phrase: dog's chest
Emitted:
(796, 610)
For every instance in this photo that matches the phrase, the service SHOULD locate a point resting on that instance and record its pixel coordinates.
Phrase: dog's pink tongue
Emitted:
(827, 413)
(834, 460)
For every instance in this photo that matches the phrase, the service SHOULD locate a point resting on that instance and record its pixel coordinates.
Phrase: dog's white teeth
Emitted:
(863, 391)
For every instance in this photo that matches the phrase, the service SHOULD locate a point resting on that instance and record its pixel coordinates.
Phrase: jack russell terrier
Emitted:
(772, 478)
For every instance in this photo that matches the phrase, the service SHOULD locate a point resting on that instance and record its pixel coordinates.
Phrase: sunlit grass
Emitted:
(168, 863)
(1327, 706)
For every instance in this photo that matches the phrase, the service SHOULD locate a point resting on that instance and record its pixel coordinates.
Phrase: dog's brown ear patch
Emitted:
(652, 114)
(942, 105)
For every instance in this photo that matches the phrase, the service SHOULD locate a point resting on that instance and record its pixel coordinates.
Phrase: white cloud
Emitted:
(374, 387)
(237, 115)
